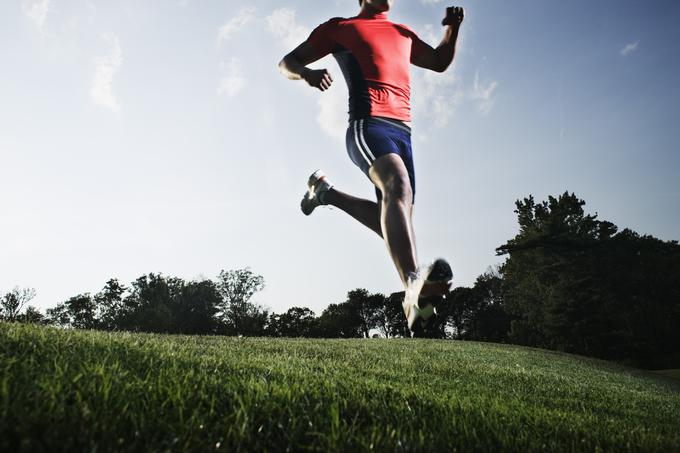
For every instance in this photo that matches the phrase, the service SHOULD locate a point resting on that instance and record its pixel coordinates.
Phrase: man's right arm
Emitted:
(294, 67)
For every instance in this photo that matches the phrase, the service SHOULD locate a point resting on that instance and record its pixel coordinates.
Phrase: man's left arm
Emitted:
(440, 58)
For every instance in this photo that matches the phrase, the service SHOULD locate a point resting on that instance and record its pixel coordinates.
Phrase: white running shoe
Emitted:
(425, 290)
(318, 185)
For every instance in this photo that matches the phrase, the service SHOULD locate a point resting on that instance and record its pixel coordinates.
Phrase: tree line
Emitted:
(569, 282)
(159, 304)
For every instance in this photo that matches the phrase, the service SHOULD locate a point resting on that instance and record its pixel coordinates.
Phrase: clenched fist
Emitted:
(318, 78)
(454, 16)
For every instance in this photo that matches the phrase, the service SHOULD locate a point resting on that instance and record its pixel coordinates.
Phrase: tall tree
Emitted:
(574, 283)
(369, 309)
(295, 322)
(13, 302)
(148, 307)
(340, 321)
(238, 315)
(32, 316)
(58, 316)
(109, 305)
(81, 310)
(195, 307)
(395, 319)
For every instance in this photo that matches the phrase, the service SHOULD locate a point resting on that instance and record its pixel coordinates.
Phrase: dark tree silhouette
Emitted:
(81, 310)
(394, 316)
(109, 305)
(238, 315)
(295, 322)
(32, 316)
(574, 283)
(340, 321)
(14, 301)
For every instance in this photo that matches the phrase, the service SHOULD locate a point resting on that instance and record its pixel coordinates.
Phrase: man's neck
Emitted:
(370, 12)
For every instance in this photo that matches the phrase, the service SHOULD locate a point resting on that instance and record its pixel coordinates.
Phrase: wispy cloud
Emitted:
(436, 96)
(482, 94)
(629, 48)
(332, 115)
(36, 11)
(233, 25)
(106, 68)
(282, 23)
(232, 81)
(333, 111)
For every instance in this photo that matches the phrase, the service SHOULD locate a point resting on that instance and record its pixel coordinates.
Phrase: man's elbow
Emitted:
(442, 65)
(440, 68)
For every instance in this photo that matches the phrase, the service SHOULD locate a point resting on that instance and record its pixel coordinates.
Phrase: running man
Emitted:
(374, 55)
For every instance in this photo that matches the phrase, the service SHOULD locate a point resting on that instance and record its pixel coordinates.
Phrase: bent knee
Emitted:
(397, 189)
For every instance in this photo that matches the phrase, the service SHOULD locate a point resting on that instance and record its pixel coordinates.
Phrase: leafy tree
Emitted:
(485, 318)
(378, 304)
(32, 316)
(456, 314)
(238, 315)
(195, 307)
(13, 302)
(295, 322)
(395, 321)
(340, 321)
(58, 316)
(369, 309)
(110, 310)
(148, 307)
(81, 311)
(574, 283)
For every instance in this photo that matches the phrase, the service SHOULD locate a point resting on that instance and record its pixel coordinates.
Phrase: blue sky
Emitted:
(158, 136)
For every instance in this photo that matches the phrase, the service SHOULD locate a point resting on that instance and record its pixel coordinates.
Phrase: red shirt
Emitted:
(374, 55)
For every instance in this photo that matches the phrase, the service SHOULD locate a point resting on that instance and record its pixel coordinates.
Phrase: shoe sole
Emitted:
(311, 181)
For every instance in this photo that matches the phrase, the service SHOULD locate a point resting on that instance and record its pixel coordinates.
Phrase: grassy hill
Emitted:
(74, 390)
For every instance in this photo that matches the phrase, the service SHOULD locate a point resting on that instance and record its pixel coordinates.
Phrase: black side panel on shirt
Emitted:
(359, 100)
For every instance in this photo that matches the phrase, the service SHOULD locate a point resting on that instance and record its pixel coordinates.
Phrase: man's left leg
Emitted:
(364, 211)
(322, 192)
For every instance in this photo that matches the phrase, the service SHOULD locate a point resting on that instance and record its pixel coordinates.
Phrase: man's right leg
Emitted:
(389, 174)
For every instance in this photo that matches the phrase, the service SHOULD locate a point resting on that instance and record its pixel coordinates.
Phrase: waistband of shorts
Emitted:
(391, 121)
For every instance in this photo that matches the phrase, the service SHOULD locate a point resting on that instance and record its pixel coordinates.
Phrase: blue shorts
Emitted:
(368, 139)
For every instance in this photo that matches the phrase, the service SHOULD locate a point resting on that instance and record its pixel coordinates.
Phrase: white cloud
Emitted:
(430, 2)
(332, 115)
(283, 25)
(333, 111)
(629, 48)
(233, 25)
(106, 68)
(435, 96)
(36, 10)
(482, 94)
(233, 81)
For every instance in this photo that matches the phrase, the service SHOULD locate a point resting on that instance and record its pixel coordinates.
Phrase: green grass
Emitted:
(75, 390)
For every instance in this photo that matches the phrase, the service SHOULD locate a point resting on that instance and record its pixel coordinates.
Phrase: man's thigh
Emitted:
(390, 175)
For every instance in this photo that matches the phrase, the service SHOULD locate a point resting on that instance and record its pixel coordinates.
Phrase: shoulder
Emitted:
(332, 23)
(329, 27)
(405, 28)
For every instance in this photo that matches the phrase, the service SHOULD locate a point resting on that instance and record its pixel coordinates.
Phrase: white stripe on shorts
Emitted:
(363, 141)
(356, 140)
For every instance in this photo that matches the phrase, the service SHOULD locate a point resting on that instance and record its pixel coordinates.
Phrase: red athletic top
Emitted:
(374, 55)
